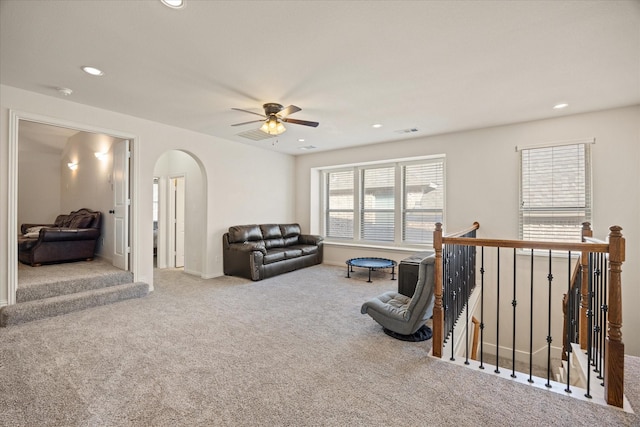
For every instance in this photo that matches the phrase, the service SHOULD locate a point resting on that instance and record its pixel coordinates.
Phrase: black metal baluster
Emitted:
(602, 319)
(466, 299)
(497, 370)
(446, 286)
(454, 304)
(569, 322)
(596, 314)
(514, 303)
(589, 323)
(482, 307)
(605, 309)
(531, 323)
(550, 278)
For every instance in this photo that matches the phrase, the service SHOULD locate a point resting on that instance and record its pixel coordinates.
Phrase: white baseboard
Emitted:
(3, 302)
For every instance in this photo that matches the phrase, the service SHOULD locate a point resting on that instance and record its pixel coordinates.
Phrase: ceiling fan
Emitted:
(274, 116)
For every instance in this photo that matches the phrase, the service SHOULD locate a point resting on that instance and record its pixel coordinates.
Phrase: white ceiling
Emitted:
(43, 138)
(437, 66)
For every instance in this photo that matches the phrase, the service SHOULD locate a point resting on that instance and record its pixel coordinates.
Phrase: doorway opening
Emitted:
(179, 212)
(61, 167)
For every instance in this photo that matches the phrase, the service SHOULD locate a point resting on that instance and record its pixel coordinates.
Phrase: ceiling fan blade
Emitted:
(246, 123)
(250, 112)
(288, 110)
(301, 122)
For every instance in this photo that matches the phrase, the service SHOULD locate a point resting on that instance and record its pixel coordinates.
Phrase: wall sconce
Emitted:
(100, 156)
(72, 165)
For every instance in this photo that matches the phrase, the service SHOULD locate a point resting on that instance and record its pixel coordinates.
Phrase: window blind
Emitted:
(340, 200)
(423, 200)
(377, 214)
(555, 192)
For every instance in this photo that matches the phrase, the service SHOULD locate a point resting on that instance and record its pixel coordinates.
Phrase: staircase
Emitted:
(576, 367)
(48, 299)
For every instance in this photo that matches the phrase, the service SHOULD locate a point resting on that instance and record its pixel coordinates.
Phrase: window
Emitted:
(340, 199)
(378, 204)
(423, 194)
(555, 192)
(392, 203)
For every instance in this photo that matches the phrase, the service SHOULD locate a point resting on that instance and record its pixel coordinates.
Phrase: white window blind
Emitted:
(555, 192)
(340, 201)
(378, 204)
(395, 203)
(423, 196)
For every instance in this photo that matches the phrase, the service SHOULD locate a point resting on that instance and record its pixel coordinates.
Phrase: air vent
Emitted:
(308, 147)
(255, 135)
(410, 130)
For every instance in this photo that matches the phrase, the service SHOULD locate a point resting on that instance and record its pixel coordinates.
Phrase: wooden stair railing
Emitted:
(615, 248)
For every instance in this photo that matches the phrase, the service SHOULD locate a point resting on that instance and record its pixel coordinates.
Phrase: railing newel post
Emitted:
(614, 347)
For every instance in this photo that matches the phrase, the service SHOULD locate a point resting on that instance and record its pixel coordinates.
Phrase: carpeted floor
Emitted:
(293, 350)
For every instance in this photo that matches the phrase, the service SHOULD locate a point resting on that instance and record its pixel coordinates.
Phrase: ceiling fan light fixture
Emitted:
(273, 126)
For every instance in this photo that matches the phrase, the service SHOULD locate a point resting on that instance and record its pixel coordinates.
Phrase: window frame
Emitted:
(358, 202)
(587, 170)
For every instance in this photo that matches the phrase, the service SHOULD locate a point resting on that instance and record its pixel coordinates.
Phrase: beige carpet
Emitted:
(293, 350)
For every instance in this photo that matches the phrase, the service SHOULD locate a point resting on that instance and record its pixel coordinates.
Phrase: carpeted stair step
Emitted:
(43, 290)
(49, 307)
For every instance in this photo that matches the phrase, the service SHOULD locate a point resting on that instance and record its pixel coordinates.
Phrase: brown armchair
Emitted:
(71, 237)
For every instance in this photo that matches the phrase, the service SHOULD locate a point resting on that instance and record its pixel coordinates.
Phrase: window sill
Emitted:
(408, 248)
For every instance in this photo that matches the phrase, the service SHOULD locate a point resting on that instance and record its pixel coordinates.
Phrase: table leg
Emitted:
(369, 281)
(393, 272)
(348, 276)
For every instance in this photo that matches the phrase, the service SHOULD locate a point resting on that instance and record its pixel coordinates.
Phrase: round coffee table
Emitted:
(372, 263)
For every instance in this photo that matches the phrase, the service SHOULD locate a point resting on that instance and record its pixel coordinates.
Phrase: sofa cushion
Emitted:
(292, 253)
(290, 241)
(306, 249)
(244, 233)
(62, 221)
(274, 243)
(290, 230)
(274, 255)
(271, 231)
(81, 221)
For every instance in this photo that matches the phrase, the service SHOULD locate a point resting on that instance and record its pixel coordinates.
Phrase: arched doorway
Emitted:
(180, 212)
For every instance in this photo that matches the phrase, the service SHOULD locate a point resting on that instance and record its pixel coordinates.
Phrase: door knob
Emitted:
(111, 211)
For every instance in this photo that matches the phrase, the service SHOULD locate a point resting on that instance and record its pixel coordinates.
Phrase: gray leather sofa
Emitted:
(261, 251)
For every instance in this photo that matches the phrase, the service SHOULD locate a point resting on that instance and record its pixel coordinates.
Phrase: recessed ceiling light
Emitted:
(174, 4)
(93, 71)
(301, 140)
(377, 125)
(560, 106)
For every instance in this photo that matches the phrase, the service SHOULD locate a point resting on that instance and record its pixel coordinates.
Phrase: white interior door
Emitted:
(178, 215)
(121, 204)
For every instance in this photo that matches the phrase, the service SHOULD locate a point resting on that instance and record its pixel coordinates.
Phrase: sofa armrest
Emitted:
(68, 234)
(310, 239)
(24, 227)
(248, 247)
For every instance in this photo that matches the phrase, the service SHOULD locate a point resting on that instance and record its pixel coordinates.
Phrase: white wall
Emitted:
(90, 185)
(244, 184)
(482, 181)
(38, 186)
